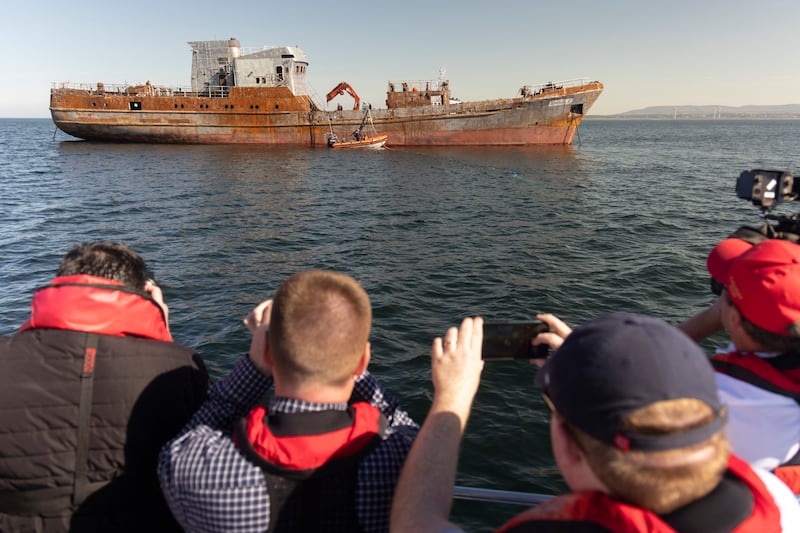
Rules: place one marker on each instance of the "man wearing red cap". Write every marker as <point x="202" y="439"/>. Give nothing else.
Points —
<point x="758" y="376"/>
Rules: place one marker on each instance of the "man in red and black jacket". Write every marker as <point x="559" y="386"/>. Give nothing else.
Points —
<point x="92" y="386"/>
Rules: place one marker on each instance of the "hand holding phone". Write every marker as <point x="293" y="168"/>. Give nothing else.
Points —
<point x="512" y="340"/>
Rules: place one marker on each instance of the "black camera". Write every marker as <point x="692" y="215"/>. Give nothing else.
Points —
<point x="512" y="340"/>
<point x="767" y="188"/>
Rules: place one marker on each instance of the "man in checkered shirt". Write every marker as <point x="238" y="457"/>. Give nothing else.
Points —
<point x="324" y="454"/>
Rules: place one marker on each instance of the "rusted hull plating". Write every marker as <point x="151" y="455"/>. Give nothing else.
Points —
<point x="276" y="117"/>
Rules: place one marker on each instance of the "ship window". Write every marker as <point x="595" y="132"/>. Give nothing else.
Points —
<point x="287" y="56"/>
<point x="135" y="106"/>
<point x="576" y="108"/>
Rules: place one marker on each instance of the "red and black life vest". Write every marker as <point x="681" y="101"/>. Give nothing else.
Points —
<point x="96" y="305"/>
<point x="310" y="463"/>
<point x="741" y="503"/>
<point x="91" y="389"/>
<point x="779" y="375"/>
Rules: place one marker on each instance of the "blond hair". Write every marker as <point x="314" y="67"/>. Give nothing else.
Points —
<point x="319" y="327"/>
<point x="660" y="481"/>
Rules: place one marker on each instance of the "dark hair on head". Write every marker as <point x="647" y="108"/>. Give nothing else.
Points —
<point x="106" y="259"/>
<point x="771" y="342"/>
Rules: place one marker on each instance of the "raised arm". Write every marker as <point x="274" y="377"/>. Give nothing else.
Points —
<point x="424" y="493"/>
<point x="233" y="396"/>
<point x="705" y="323"/>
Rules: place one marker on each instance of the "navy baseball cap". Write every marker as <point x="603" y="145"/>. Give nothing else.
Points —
<point x="619" y="363"/>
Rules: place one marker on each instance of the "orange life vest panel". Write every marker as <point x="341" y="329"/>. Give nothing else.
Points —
<point x="618" y="517"/>
<point x="96" y="305"/>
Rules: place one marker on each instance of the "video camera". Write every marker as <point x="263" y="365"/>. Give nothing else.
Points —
<point x="767" y="189"/>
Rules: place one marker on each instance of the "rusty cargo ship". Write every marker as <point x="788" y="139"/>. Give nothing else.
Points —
<point x="242" y="96"/>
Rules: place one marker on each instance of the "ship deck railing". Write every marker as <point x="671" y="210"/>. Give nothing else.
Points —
<point x="554" y="86"/>
<point x="124" y="89"/>
<point x="527" y="499"/>
<point x="417" y="85"/>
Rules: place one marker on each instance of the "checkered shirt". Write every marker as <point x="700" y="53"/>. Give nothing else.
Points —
<point x="210" y="486"/>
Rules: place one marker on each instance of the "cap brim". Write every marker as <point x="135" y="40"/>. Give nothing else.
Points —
<point x="722" y="257"/>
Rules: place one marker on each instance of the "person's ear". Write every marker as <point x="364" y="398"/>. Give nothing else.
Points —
<point x="363" y="362"/>
<point x="735" y="316"/>
<point x="564" y="439"/>
<point x="731" y="317"/>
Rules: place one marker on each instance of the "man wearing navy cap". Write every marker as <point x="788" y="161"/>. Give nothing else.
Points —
<point x="758" y="375"/>
<point x="636" y="430"/>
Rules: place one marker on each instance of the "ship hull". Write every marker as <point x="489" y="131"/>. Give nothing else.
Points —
<point x="274" y="116"/>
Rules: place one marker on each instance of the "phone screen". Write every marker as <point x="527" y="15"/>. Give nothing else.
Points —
<point x="512" y="340"/>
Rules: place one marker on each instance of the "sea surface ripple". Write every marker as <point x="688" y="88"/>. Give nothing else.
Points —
<point x="621" y="221"/>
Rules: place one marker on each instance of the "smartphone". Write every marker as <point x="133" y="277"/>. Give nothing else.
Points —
<point x="512" y="340"/>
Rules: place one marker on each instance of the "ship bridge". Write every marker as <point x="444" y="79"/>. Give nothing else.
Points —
<point x="226" y="64"/>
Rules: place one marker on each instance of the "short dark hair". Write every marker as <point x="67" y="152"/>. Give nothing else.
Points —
<point x="771" y="342"/>
<point x="105" y="259"/>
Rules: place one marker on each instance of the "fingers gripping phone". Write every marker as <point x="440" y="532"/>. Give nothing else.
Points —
<point x="512" y="340"/>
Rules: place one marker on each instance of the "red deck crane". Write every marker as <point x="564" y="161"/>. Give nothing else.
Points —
<point x="341" y="89"/>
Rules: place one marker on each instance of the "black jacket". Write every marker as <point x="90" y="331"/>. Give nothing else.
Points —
<point x="82" y="419"/>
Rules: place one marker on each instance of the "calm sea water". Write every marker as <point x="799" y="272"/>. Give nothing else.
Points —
<point x="621" y="221"/>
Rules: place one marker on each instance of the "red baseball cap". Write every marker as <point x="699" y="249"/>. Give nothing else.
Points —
<point x="763" y="281"/>
<point x="722" y="254"/>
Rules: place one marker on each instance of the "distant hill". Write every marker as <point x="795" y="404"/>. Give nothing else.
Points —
<point x="713" y="111"/>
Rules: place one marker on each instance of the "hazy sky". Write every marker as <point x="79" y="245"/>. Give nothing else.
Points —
<point x="675" y="52"/>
